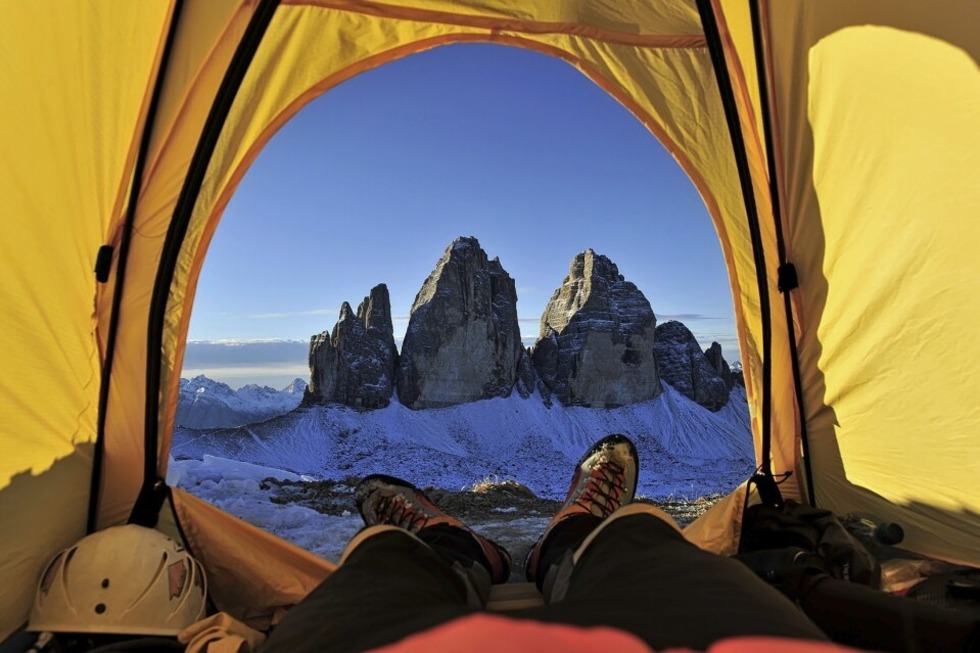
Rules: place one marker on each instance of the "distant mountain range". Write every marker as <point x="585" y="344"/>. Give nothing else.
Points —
<point x="205" y="403"/>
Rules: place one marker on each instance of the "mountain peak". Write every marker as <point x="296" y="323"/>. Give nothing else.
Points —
<point x="595" y="290"/>
<point x="595" y="344"/>
<point x="594" y="267"/>
<point x="687" y="368"/>
<point x="463" y="341"/>
<point x="355" y="364"/>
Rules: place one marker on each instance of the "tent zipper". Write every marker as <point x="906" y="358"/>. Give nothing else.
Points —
<point x="788" y="277"/>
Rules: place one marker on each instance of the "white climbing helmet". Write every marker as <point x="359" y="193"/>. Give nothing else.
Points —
<point x="125" y="579"/>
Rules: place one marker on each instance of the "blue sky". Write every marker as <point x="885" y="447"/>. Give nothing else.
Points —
<point x="370" y="182"/>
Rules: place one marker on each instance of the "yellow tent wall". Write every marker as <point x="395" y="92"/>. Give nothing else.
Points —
<point x="876" y="107"/>
<point x="869" y="106"/>
<point x="74" y="86"/>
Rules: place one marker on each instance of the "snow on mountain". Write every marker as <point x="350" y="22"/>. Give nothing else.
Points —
<point x="205" y="403"/>
<point x="685" y="450"/>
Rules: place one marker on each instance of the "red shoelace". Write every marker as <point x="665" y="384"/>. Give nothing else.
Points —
<point x="394" y="510"/>
<point x="605" y="488"/>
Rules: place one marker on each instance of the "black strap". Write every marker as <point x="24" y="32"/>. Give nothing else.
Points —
<point x="715" y="49"/>
<point x="768" y="490"/>
<point x="146" y="511"/>
<point x="103" y="263"/>
<point x="788" y="279"/>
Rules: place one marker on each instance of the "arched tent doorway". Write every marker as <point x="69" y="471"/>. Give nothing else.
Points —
<point x="292" y="63"/>
<point x="368" y="183"/>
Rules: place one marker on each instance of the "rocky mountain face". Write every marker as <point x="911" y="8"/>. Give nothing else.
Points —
<point x="355" y="364"/>
<point x="720" y="365"/>
<point x="683" y="365"/>
<point x="596" y="342"/>
<point x="463" y="342"/>
<point x="599" y="344"/>
<point x="205" y="403"/>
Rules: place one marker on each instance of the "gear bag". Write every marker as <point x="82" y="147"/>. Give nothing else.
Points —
<point x="770" y="533"/>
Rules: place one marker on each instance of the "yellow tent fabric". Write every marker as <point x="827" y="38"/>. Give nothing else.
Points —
<point x="838" y="136"/>
<point x="74" y="83"/>
<point x="880" y="188"/>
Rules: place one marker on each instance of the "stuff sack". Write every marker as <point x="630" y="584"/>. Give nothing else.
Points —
<point x="778" y="542"/>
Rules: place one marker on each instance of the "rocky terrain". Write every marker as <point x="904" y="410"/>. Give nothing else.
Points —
<point x="506" y="511"/>
<point x="463" y="342"/>
<point x="599" y="344"/>
<point x="485" y="501"/>
<point x="683" y="365"/>
<point x="355" y="364"/>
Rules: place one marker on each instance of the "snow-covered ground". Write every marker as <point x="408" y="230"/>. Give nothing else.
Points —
<point x="685" y="451"/>
<point x="237" y="488"/>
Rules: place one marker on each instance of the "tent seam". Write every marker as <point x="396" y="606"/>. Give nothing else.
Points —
<point x="767" y="127"/>
<point x="493" y="24"/>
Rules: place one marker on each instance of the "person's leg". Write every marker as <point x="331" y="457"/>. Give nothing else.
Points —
<point x="413" y="568"/>
<point x="636" y="572"/>
<point x="389" y="585"/>
<point x="604" y="479"/>
<point x="385" y="499"/>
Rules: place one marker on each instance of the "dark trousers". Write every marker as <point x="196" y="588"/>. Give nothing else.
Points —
<point x="638" y="575"/>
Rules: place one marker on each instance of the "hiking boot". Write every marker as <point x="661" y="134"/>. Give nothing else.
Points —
<point x="385" y="499"/>
<point x="604" y="480"/>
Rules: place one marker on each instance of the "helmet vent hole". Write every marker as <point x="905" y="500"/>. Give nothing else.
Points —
<point x="105" y="582"/>
<point x="49" y="574"/>
<point x="100" y="608"/>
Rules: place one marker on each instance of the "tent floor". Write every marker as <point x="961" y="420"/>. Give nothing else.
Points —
<point x="514" y="596"/>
